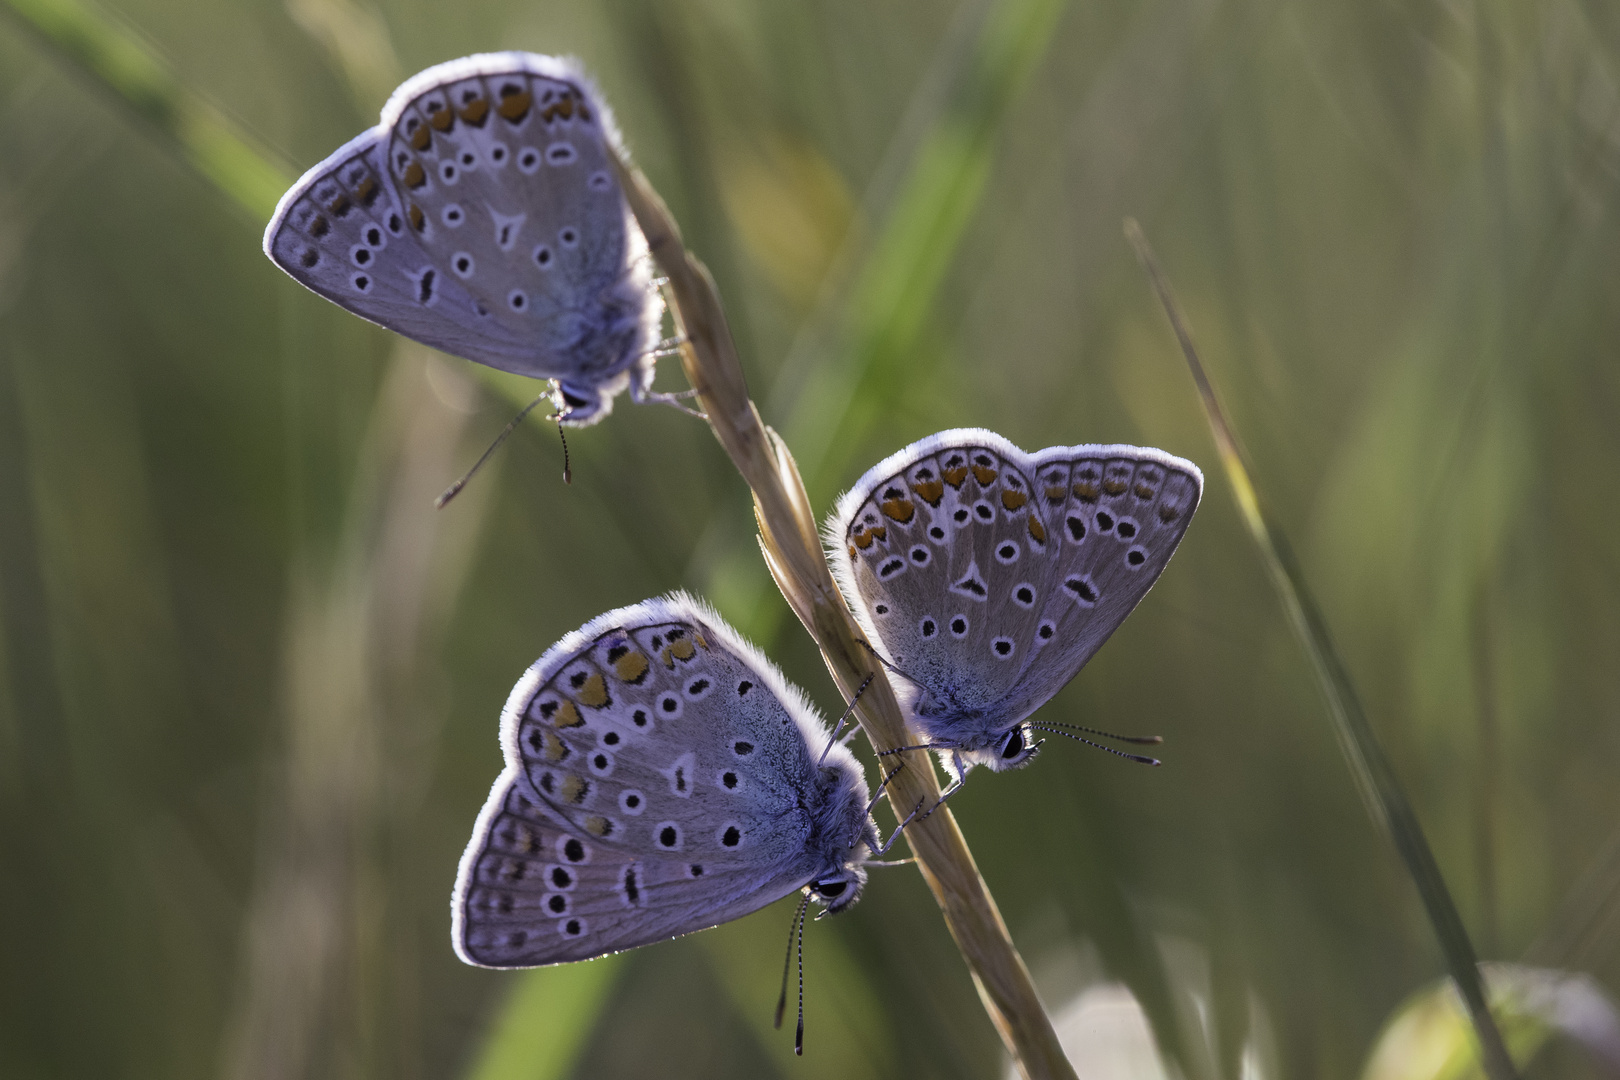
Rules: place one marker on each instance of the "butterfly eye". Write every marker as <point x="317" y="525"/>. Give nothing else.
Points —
<point x="1015" y="744"/>
<point x="832" y="888"/>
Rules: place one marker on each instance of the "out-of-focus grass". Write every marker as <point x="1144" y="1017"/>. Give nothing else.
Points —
<point x="1393" y="227"/>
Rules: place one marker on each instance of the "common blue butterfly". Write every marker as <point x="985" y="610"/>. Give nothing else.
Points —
<point x="482" y="216"/>
<point x="990" y="576"/>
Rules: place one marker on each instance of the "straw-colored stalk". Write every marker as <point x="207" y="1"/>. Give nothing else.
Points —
<point x="792" y="545"/>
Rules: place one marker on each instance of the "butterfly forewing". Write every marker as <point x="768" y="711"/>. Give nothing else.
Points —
<point x="483" y="217"/>
<point x="656" y="784"/>
<point x="991" y="576"/>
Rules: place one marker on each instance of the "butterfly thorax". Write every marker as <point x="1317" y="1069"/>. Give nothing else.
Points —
<point x="842" y="832"/>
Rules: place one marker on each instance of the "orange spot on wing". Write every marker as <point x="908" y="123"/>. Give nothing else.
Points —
<point x="573" y="789"/>
<point x="568" y="716"/>
<point x="863" y="540"/>
<point x="475" y="112"/>
<point x="632" y="667"/>
<point x="421" y="138"/>
<point x="1168" y="512"/>
<point x="1114" y="487"/>
<point x="901" y="510"/>
<point x="418" y="219"/>
<point x="1012" y="500"/>
<point x="594" y="692"/>
<point x="983" y="475"/>
<point x="442" y="119"/>
<point x="929" y="491"/>
<point x="415" y="175"/>
<point x="367" y="191"/>
<point x="954" y="477"/>
<point x="682" y="649"/>
<point x="514" y="107"/>
<point x="1086" y="490"/>
<point x="1144" y="491"/>
<point x="1037" y="531"/>
<point x="553" y="749"/>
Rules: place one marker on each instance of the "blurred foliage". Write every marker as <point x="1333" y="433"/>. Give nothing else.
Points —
<point x="249" y="679"/>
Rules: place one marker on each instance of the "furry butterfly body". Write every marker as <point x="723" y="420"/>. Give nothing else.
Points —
<point x="990" y="576"/>
<point x="661" y="777"/>
<point x="482" y="216"/>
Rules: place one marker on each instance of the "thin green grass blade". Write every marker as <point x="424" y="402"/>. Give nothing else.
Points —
<point x="120" y="62"/>
<point x="541" y="1032"/>
<point x="893" y="288"/>
<point x="1375" y="777"/>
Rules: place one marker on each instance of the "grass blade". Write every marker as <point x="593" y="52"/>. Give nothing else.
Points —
<point x="1375" y="776"/>
<point x="541" y="1031"/>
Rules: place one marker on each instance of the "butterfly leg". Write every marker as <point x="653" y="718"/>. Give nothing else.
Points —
<point x="960" y="770"/>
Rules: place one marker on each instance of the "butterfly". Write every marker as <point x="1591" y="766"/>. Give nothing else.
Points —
<point x="661" y="777"/>
<point x="482" y="216"/>
<point x="991" y="576"/>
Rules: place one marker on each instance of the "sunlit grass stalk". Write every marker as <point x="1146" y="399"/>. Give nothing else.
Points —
<point x="792" y="545"/>
<point x="1375" y="777"/>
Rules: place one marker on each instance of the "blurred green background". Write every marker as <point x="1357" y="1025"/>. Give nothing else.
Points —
<point x="249" y="678"/>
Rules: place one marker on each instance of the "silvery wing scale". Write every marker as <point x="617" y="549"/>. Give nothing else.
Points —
<point x="482" y="216"/>
<point x="989" y="576"/>
<point x="661" y="777"/>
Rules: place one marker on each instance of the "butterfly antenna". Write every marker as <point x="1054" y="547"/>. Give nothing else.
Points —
<point x="885" y="662"/>
<point x="1140" y="740"/>
<point x="842" y="720"/>
<point x="795" y="935"/>
<point x="1138" y="758"/>
<point x="568" y="473"/>
<point x="455" y="489"/>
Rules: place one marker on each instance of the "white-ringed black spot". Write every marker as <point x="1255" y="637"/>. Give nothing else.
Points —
<point x="698" y="689"/>
<point x="573" y="849"/>
<point x="516" y="300"/>
<point x="573" y="928"/>
<point x="1105" y="521"/>
<point x="602" y="763"/>
<point x="928" y="627"/>
<point x="983" y="511"/>
<point x="462" y="264"/>
<point x="425" y="294"/>
<point x="611" y="738"/>
<point x="920" y="555"/>
<point x="1085" y="593"/>
<point x="1023" y="594"/>
<point x="936" y="533"/>
<point x="640" y="718"/>
<point x="667" y="835"/>
<point x="971" y="585"/>
<point x="469" y="160"/>
<point x="556" y="904"/>
<point x="961" y="516"/>
<point x="729" y="835"/>
<point x="669" y="707"/>
<point x="891" y="568"/>
<point x="448" y="172"/>
<point x="599" y="181"/>
<point x="881" y="609"/>
<point x="1077" y="527"/>
<point x="632" y="802"/>
<point x="1007" y="552"/>
<point x="542" y="257"/>
<point x="742" y="748"/>
<point x="497" y="154"/>
<point x="528" y="160"/>
<point x="959" y="626"/>
<point x="374" y="237"/>
<point x="568" y="236"/>
<point x="452" y="216"/>
<point x="1126" y="529"/>
<point x="695" y="870"/>
<point x="361" y="283"/>
<point x="1002" y="647"/>
<point x="1135" y="557"/>
<point x="561" y="153"/>
<point x="729" y="780"/>
<point x="560" y="878"/>
<point x="629" y="881"/>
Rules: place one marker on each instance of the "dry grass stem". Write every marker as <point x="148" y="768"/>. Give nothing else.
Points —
<point x="792" y="546"/>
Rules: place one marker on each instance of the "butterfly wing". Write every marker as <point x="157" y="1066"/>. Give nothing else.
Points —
<point x="482" y="216"/>
<point x="1056" y="547"/>
<point x="659" y="781"/>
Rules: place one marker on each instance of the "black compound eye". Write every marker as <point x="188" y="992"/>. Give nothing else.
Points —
<point x="1015" y="744"/>
<point x="831" y="888"/>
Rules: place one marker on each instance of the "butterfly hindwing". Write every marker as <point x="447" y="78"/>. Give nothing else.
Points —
<point x="660" y="780"/>
<point x="483" y="217"/>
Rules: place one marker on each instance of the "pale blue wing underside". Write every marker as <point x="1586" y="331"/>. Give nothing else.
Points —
<point x="990" y="576"/>
<point x="660" y="779"/>
<point x="482" y="216"/>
